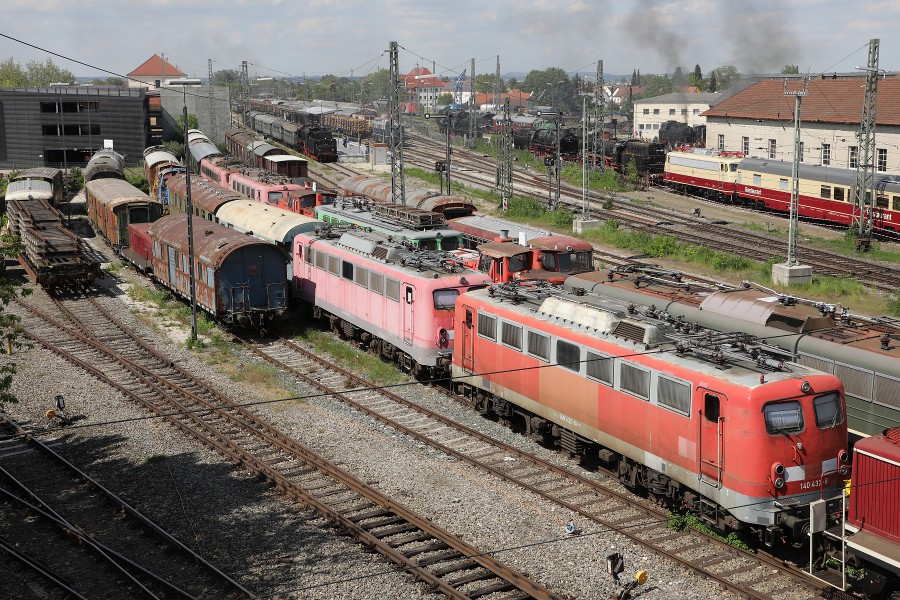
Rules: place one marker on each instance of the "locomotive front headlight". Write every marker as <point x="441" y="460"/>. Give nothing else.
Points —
<point x="844" y="470"/>
<point x="805" y="387"/>
<point x="779" y="483"/>
<point x="843" y="457"/>
<point x="778" y="469"/>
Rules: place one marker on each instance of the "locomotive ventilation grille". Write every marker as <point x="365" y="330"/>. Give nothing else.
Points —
<point x="630" y="331"/>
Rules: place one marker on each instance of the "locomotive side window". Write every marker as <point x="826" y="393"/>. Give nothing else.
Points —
<point x="839" y="194"/>
<point x="445" y="299"/>
<point x="711" y="408"/>
<point x="674" y="395"/>
<point x="635" y="381"/>
<point x="362" y="277"/>
<point x="539" y="345"/>
<point x="347" y="270"/>
<point x="511" y="335"/>
<point x="828" y="410"/>
<point x="321" y="260"/>
<point x="783" y="417"/>
<point x="599" y="367"/>
<point x="376" y="283"/>
<point x="568" y="356"/>
<point x="487" y="326"/>
<point x="334" y="265"/>
<point x="392" y="289"/>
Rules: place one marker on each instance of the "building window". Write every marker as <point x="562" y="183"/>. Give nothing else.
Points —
<point x="696" y="112"/>
<point x="881" y="160"/>
<point x="671" y="111"/>
<point x="772" y="148"/>
<point x="655" y="111"/>
<point x="800" y="158"/>
<point x="684" y="112"/>
<point x="826" y="154"/>
<point x="853" y="161"/>
<point x="745" y="145"/>
<point x="721" y="141"/>
<point x="646" y="111"/>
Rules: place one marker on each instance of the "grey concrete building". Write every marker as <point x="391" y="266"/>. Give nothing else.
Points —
<point x="198" y="104"/>
<point x="62" y="126"/>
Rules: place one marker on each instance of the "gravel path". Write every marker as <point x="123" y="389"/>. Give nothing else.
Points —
<point x="278" y="548"/>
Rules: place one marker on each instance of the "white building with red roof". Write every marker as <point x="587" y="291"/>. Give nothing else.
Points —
<point x="153" y="73"/>
<point x="423" y="86"/>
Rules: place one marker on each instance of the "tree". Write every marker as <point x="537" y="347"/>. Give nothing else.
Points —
<point x="725" y="76"/>
<point x="790" y="70"/>
<point x="698" y="73"/>
<point x="634" y="77"/>
<point x="110" y="81"/>
<point x="10" y="289"/>
<point x="192" y="122"/>
<point x="484" y="83"/>
<point x="696" y="78"/>
<point x="656" y="85"/>
<point x="445" y="98"/>
<point x="711" y="84"/>
<point x="42" y="74"/>
<point x="226" y="77"/>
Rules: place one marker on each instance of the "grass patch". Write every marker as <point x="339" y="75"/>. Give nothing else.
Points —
<point x="160" y="298"/>
<point x="680" y="522"/>
<point x="370" y="366"/>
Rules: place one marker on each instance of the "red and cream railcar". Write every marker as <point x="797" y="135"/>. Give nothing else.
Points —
<point x="700" y="427"/>
<point x="397" y="302"/>
<point x="710" y="173"/>
<point x="825" y="193"/>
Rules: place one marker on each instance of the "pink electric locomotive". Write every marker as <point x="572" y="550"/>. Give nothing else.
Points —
<point x="698" y="419"/>
<point x="396" y="301"/>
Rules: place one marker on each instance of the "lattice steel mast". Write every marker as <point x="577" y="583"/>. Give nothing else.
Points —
<point x="245" y="96"/>
<point x="793" y="254"/>
<point x="213" y="130"/>
<point x="472" y="129"/>
<point x="398" y="186"/>
<point x="505" y="158"/>
<point x="497" y="85"/>
<point x="863" y="206"/>
<point x="599" y="101"/>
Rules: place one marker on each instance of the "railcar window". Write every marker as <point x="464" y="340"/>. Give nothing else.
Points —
<point x="210" y="277"/>
<point x="839" y="194"/>
<point x="757" y="179"/>
<point x="321" y="260"/>
<point x="599" y="367"/>
<point x="450" y="243"/>
<point x="334" y="265"/>
<point x="517" y="263"/>
<point x="487" y="327"/>
<point x="392" y="289"/>
<point x="362" y="277"/>
<point x="635" y="381"/>
<point x="828" y="410"/>
<point x="445" y="299"/>
<point x="783" y="417"/>
<point x="783" y="184"/>
<point x="484" y="263"/>
<point x="347" y="270"/>
<point x="309" y="255"/>
<point x="568" y="356"/>
<point x="881" y="201"/>
<point x="376" y="283"/>
<point x="895" y="203"/>
<point x="539" y="345"/>
<point x="511" y="335"/>
<point x="674" y="395"/>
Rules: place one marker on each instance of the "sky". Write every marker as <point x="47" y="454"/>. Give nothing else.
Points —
<point x="317" y="37"/>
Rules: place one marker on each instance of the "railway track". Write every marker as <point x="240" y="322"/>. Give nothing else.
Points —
<point x="80" y="538"/>
<point x="749" y="575"/>
<point x="479" y="171"/>
<point x="88" y="335"/>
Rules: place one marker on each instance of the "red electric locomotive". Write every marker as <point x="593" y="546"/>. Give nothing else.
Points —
<point x="396" y="301"/>
<point x="699" y="419"/>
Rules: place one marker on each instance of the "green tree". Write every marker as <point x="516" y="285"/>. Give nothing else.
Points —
<point x="711" y="83"/>
<point x="12" y="74"/>
<point x="226" y="77"/>
<point x="174" y="146"/>
<point x="790" y="70"/>
<point x="445" y="98"/>
<point x="41" y="74"/>
<point x="192" y="123"/>
<point x="656" y="85"/>
<point x="10" y="289"/>
<point x="725" y="76"/>
<point x="696" y="78"/>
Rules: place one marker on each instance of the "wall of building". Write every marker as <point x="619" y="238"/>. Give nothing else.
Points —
<point x="758" y="138"/>
<point x="34" y="133"/>
<point x="198" y="102"/>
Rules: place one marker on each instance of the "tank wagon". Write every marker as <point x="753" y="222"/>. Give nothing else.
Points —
<point x="674" y="413"/>
<point x="863" y="352"/>
<point x="394" y="301"/>
<point x="380" y="190"/>
<point x="239" y="280"/>
<point x="104" y="164"/>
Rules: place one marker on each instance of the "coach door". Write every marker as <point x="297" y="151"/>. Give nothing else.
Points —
<point x="467" y="348"/>
<point x="711" y="448"/>
<point x="408" y="294"/>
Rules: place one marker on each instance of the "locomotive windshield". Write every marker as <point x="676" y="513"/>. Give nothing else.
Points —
<point x="575" y="262"/>
<point x="445" y="299"/>
<point x="783" y="417"/>
<point x="828" y="410"/>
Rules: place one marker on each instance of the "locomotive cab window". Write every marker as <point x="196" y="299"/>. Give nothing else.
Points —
<point x="828" y="410"/>
<point x="445" y="299"/>
<point x="783" y="417"/>
<point x="347" y="270"/>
